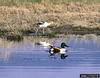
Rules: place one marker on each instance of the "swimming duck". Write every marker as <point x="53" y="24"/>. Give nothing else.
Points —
<point x="61" y="51"/>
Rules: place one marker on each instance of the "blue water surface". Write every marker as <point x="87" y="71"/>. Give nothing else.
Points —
<point x="26" y="60"/>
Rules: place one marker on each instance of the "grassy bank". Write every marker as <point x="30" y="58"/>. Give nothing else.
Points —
<point x="18" y="2"/>
<point x="72" y="18"/>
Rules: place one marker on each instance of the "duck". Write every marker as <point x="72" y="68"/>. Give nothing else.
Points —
<point x="62" y="51"/>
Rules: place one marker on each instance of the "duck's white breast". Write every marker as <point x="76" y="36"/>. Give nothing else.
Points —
<point x="62" y="51"/>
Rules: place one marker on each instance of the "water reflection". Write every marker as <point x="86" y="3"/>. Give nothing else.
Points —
<point x="84" y="50"/>
<point x="5" y="48"/>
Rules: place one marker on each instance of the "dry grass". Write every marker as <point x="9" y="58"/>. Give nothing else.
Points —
<point x="19" y="18"/>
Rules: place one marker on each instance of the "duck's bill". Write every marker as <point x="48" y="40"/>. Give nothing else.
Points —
<point x="67" y="46"/>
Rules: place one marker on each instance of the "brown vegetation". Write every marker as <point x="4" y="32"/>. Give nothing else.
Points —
<point x="15" y="19"/>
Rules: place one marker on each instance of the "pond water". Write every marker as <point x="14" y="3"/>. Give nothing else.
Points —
<point x="18" y="58"/>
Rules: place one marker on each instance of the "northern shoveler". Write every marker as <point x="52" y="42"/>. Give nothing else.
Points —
<point x="61" y="51"/>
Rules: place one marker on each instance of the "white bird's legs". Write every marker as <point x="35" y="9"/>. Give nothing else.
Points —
<point x="43" y="31"/>
<point x="37" y="31"/>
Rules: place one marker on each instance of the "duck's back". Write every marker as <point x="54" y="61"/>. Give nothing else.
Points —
<point x="56" y="50"/>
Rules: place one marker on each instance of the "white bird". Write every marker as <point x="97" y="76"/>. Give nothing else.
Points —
<point x="43" y="25"/>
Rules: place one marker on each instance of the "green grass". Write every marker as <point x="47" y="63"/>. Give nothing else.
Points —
<point x="68" y="1"/>
<point x="17" y="2"/>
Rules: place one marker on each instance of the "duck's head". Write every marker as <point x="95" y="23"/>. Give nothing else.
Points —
<point x="63" y="45"/>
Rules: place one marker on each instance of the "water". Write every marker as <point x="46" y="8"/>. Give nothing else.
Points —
<point x="26" y="60"/>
